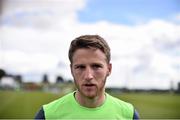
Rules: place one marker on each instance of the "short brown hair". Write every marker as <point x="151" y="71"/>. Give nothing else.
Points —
<point x="90" y="41"/>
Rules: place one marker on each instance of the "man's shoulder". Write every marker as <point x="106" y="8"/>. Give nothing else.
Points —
<point x="121" y="106"/>
<point x="118" y="102"/>
<point x="60" y="101"/>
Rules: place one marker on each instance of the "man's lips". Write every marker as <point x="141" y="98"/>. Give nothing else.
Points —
<point x="89" y="85"/>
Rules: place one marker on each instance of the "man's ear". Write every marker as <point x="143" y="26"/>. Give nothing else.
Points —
<point x="109" y="69"/>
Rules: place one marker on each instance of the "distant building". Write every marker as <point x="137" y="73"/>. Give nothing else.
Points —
<point x="8" y="83"/>
<point x="31" y="86"/>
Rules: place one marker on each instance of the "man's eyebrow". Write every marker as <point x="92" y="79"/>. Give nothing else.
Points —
<point x="97" y="63"/>
<point x="78" y="65"/>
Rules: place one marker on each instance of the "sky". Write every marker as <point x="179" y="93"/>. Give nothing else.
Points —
<point x="144" y="37"/>
<point x="129" y="12"/>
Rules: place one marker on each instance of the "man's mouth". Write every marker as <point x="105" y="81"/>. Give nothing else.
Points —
<point x="89" y="85"/>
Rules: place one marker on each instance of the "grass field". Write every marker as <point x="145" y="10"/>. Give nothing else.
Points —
<point x="25" y="104"/>
<point x="157" y="106"/>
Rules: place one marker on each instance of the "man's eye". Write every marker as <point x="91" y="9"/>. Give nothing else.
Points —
<point x="97" y="66"/>
<point x="80" y="67"/>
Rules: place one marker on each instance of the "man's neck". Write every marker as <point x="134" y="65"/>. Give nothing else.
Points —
<point x="90" y="102"/>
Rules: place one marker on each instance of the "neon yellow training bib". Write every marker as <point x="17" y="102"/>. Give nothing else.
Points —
<point x="68" y="108"/>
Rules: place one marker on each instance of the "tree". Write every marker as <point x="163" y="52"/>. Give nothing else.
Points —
<point x="45" y="79"/>
<point x="59" y="79"/>
<point x="18" y="78"/>
<point x="2" y="73"/>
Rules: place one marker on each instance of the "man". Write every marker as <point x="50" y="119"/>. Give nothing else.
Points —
<point x="89" y="56"/>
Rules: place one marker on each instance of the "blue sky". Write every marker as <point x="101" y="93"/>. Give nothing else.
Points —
<point x="129" y="12"/>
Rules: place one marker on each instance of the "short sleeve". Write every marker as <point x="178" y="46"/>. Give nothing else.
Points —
<point x="40" y="114"/>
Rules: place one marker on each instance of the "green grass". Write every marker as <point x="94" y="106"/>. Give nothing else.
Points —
<point x="149" y="106"/>
<point x="22" y="104"/>
<point x="26" y="104"/>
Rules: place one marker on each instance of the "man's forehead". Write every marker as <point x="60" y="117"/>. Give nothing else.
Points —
<point x="84" y="55"/>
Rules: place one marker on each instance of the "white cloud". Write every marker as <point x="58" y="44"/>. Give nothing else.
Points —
<point x="21" y="62"/>
<point x="41" y="14"/>
<point x="38" y="39"/>
<point x="176" y="18"/>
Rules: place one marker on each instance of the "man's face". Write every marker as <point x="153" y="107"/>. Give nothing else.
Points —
<point x="90" y="70"/>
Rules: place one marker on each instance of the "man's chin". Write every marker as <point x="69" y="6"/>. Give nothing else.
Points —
<point x="90" y="95"/>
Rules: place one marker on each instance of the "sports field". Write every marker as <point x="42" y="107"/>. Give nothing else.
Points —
<point x="25" y="104"/>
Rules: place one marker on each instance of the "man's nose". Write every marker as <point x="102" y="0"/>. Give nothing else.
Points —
<point x="88" y="74"/>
